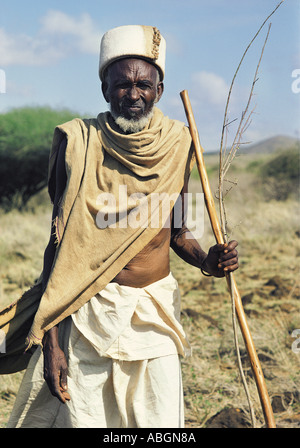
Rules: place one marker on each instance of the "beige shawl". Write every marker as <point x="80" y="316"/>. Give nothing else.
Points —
<point x="99" y="160"/>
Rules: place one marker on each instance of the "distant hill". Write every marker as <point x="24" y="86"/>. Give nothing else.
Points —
<point x="267" y="146"/>
<point x="270" y="145"/>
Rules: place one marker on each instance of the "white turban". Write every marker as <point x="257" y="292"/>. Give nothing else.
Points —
<point x="139" y="41"/>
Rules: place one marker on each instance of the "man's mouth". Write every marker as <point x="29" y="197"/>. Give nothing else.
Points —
<point x="131" y="106"/>
<point x="132" y="110"/>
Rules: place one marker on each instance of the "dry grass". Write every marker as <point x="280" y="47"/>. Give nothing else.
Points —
<point x="268" y="280"/>
<point x="23" y="238"/>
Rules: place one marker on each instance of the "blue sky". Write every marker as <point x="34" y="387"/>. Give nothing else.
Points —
<point x="49" y="52"/>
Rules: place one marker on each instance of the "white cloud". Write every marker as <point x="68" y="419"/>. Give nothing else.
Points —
<point x="20" y="90"/>
<point x="210" y="89"/>
<point x="60" y="35"/>
<point x="174" y="44"/>
<point x="208" y="94"/>
<point x="86" y="36"/>
<point x="24" y="50"/>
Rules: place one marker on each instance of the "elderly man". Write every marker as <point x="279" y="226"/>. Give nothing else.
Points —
<point x="107" y="324"/>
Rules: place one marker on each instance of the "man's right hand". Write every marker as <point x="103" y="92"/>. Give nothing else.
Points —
<point x="55" y="366"/>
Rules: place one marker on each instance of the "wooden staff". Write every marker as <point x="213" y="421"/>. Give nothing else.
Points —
<point x="210" y="205"/>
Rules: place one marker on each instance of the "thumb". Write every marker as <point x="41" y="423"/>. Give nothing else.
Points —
<point x="64" y="385"/>
<point x="63" y="379"/>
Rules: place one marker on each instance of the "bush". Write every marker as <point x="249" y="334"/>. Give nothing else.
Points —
<point x="25" y="141"/>
<point x="280" y="176"/>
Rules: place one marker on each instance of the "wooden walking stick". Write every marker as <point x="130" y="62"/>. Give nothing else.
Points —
<point x="210" y="205"/>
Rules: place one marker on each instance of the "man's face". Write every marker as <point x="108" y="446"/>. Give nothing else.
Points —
<point x="132" y="87"/>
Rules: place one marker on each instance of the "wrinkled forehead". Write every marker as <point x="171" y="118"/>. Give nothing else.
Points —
<point x="131" y="67"/>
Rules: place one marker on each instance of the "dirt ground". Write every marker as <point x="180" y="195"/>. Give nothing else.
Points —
<point x="268" y="281"/>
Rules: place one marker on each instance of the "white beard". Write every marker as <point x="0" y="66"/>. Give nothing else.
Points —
<point x="132" y="126"/>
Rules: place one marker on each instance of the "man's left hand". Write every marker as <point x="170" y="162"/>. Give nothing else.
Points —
<point x="221" y="258"/>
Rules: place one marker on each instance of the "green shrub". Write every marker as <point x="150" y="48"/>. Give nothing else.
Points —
<point x="25" y="141"/>
<point x="280" y="175"/>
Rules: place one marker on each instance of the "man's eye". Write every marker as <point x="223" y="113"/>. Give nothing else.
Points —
<point x="143" y="86"/>
<point x="139" y="85"/>
<point x="123" y="86"/>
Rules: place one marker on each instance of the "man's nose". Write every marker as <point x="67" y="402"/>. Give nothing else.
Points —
<point x="133" y="93"/>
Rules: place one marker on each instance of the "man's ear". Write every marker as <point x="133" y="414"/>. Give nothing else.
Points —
<point x="104" y="87"/>
<point x="159" y="91"/>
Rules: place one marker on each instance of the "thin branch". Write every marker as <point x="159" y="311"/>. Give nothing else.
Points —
<point x="230" y="122"/>
<point x="245" y="122"/>
<point x="238" y="353"/>
<point x="242" y="127"/>
<point x="238" y="68"/>
<point x="225" y="122"/>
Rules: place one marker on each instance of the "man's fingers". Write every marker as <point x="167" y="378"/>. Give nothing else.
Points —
<point x="65" y="395"/>
<point x="229" y="260"/>
<point x="61" y="394"/>
<point x="229" y="250"/>
<point x="63" y="386"/>
<point x="226" y="247"/>
<point x="218" y="247"/>
<point x="231" y="268"/>
<point x="57" y="388"/>
<point x="63" y="378"/>
<point x="55" y="372"/>
<point x="232" y="245"/>
<point x="54" y="387"/>
<point x="229" y="256"/>
<point x="222" y="258"/>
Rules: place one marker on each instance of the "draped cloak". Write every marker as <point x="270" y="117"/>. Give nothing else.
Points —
<point x="100" y="163"/>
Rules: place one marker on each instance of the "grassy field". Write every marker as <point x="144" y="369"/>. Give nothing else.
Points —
<point x="268" y="280"/>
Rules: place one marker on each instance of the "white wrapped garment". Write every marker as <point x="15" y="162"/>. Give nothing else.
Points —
<point x="124" y="367"/>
